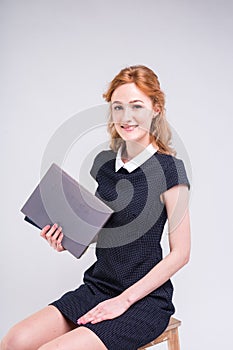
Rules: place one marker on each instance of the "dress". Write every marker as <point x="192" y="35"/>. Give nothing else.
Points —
<point x="128" y="247"/>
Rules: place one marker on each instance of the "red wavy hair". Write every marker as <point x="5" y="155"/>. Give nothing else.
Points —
<point x="147" y="81"/>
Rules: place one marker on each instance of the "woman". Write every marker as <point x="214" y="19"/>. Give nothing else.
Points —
<point x="126" y="298"/>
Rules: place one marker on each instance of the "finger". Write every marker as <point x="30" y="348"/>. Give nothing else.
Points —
<point x="44" y="231"/>
<point x="94" y="316"/>
<point x="88" y="317"/>
<point x="60" y="238"/>
<point x="52" y="235"/>
<point x="98" y="319"/>
<point x="54" y="238"/>
<point x="60" y="247"/>
<point x="51" y="231"/>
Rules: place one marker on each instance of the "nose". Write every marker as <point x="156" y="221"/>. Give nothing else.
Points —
<point x="127" y="115"/>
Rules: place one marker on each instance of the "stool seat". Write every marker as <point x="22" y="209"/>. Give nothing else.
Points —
<point x="170" y="335"/>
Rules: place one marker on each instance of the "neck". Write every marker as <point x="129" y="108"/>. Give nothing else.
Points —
<point x="132" y="149"/>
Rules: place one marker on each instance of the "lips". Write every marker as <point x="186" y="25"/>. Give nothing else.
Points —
<point x="128" y="127"/>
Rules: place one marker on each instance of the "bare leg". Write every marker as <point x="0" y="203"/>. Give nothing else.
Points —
<point x="36" y="330"/>
<point x="80" y="338"/>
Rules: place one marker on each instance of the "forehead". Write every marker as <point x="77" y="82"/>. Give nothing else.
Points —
<point x="128" y="92"/>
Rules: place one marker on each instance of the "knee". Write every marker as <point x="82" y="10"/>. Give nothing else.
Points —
<point x="15" y="339"/>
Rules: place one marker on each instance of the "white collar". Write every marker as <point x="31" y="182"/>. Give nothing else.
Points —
<point x="135" y="162"/>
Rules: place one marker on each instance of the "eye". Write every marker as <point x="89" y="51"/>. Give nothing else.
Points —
<point x="118" y="108"/>
<point x="137" y="106"/>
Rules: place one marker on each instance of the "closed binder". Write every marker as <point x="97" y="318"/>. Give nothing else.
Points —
<point x="59" y="198"/>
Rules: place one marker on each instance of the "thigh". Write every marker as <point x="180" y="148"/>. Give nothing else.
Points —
<point x="80" y="338"/>
<point x="37" y="329"/>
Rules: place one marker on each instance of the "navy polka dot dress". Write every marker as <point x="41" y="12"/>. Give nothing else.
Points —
<point x="128" y="247"/>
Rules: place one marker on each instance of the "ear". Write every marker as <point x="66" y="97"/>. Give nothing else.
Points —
<point x="155" y="114"/>
<point x="156" y="110"/>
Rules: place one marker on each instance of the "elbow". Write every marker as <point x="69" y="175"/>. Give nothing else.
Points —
<point x="185" y="258"/>
<point x="182" y="258"/>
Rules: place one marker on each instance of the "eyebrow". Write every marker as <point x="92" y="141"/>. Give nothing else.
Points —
<point x="133" y="101"/>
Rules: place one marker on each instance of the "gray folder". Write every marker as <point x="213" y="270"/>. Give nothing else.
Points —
<point x="60" y="199"/>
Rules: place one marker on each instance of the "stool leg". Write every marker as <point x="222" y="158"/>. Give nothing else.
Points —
<point x="173" y="340"/>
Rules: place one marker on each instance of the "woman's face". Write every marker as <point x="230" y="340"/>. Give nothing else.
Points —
<point x="132" y="113"/>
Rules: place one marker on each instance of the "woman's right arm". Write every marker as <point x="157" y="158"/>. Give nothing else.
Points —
<point x="53" y="235"/>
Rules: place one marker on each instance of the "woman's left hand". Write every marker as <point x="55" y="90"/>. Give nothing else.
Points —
<point x="105" y="310"/>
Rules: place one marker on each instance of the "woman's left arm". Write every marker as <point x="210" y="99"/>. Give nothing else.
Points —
<point x="176" y="200"/>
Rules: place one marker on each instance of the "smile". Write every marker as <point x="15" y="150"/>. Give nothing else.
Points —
<point x="129" y="127"/>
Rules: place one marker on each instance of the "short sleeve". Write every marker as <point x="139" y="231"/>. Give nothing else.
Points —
<point x="99" y="160"/>
<point x="95" y="167"/>
<point x="175" y="174"/>
<point x="93" y="171"/>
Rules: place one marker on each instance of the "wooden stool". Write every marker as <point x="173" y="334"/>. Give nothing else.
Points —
<point x="170" y="335"/>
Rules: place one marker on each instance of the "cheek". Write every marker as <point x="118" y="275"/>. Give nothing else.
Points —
<point x="118" y="128"/>
<point x="117" y="125"/>
<point x="145" y="123"/>
<point x="116" y="120"/>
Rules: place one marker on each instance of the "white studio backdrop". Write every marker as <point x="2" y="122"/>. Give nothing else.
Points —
<point x="57" y="58"/>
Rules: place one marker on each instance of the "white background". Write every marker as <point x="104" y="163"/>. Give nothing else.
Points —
<point x="56" y="60"/>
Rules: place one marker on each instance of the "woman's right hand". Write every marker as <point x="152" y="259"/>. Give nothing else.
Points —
<point x="53" y="235"/>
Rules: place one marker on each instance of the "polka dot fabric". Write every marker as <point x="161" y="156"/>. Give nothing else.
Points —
<point x="128" y="247"/>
